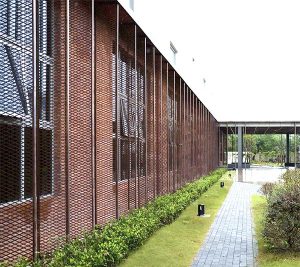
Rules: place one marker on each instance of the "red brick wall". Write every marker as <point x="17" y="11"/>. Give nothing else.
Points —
<point x="16" y="219"/>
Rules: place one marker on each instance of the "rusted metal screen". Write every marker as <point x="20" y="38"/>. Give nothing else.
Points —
<point x="94" y="122"/>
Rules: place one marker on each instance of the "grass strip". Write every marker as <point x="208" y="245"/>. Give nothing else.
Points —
<point x="177" y="244"/>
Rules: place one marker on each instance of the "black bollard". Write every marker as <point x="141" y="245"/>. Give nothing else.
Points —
<point x="201" y="209"/>
<point x="221" y="184"/>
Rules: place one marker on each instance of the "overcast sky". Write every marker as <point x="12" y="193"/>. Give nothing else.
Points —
<point x="247" y="51"/>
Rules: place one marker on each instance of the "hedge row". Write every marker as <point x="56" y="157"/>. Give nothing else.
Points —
<point x="282" y="218"/>
<point x="108" y="245"/>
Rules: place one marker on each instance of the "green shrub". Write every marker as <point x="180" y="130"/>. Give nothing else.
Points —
<point x="267" y="189"/>
<point x="108" y="245"/>
<point x="282" y="222"/>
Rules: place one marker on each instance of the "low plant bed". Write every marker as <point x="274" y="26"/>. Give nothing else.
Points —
<point x="177" y="244"/>
<point x="108" y="245"/>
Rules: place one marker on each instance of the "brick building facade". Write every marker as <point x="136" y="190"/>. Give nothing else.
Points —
<point x="117" y="125"/>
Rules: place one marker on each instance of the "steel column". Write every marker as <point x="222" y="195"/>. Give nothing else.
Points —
<point x="227" y="144"/>
<point x="174" y="141"/>
<point x="168" y="137"/>
<point x="117" y="110"/>
<point x="136" y="139"/>
<point x="35" y="130"/>
<point x="295" y="145"/>
<point x="153" y="126"/>
<point x="161" y="120"/>
<point x="240" y="153"/>
<point x="180" y="136"/>
<point x="93" y="118"/>
<point x="184" y="133"/>
<point x="146" y="119"/>
<point x="287" y="148"/>
<point x="67" y="120"/>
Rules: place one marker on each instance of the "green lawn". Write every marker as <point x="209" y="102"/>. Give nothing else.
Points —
<point x="177" y="244"/>
<point x="265" y="257"/>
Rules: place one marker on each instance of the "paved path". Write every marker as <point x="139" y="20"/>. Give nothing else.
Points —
<point x="231" y="241"/>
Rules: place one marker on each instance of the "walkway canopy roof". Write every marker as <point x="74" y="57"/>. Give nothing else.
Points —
<point x="267" y="127"/>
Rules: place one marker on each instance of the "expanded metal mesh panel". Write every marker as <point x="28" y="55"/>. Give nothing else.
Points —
<point x="115" y="128"/>
<point x="52" y="147"/>
<point x="142" y="118"/>
<point x="128" y="101"/>
<point x="177" y="131"/>
<point x="170" y="129"/>
<point x="17" y="111"/>
<point x="80" y="166"/>
<point x="158" y="92"/>
<point x="105" y="112"/>
<point x="151" y="123"/>
<point x="164" y="175"/>
<point x="180" y="132"/>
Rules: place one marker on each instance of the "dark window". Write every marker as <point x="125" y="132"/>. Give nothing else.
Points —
<point x="10" y="162"/>
<point x="16" y="83"/>
<point x="132" y="118"/>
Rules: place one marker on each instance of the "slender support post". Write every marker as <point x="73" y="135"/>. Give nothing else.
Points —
<point x="155" y="123"/>
<point x="67" y="120"/>
<point x="35" y="130"/>
<point x="168" y="132"/>
<point x="295" y="145"/>
<point x="161" y="121"/>
<point x="240" y="153"/>
<point x="93" y="118"/>
<point x="180" y="136"/>
<point x="117" y="111"/>
<point x="287" y="149"/>
<point x="184" y="133"/>
<point x="146" y="119"/>
<point x="227" y="144"/>
<point x="174" y="99"/>
<point x="137" y="122"/>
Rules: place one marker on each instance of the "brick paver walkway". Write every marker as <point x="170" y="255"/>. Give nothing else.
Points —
<point x="231" y="240"/>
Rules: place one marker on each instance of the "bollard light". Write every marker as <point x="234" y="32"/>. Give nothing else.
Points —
<point x="201" y="209"/>
<point x="221" y="184"/>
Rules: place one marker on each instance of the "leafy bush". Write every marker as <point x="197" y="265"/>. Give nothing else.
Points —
<point x="108" y="245"/>
<point x="282" y="222"/>
<point x="267" y="189"/>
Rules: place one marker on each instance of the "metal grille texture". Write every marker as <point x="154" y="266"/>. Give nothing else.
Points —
<point x="94" y="122"/>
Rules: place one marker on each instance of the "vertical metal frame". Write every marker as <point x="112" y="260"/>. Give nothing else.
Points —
<point x="197" y="132"/>
<point x="161" y="118"/>
<point x="146" y="119"/>
<point x="295" y="145"/>
<point x="190" y="128"/>
<point x="137" y="133"/>
<point x="93" y="116"/>
<point x="67" y="120"/>
<point x="117" y="109"/>
<point x="206" y="139"/>
<point x="183" y="133"/>
<point x="154" y="177"/>
<point x="180" y="137"/>
<point x="174" y="140"/>
<point x="227" y="144"/>
<point x="219" y="146"/>
<point x="168" y="141"/>
<point x="35" y="130"/>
